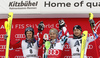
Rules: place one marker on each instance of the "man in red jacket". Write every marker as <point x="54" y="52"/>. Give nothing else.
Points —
<point x="30" y="44"/>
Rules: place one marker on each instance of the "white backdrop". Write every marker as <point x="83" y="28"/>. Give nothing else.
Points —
<point x="49" y="6"/>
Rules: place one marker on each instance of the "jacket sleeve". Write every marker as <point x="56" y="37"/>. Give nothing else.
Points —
<point x="16" y="45"/>
<point x="64" y="35"/>
<point x="40" y="38"/>
<point x="92" y="37"/>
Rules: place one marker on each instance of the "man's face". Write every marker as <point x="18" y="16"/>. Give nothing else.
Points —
<point x="77" y="32"/>
<point x="53" y="35"/>
<point x="29" y="34"/>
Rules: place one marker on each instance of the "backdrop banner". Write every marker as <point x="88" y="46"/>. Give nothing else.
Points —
<point x="19" y="25"/>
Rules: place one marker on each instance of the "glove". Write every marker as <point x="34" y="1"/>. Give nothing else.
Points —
<point x="61" y="23"/>
<point x="92" y="22"/>
<point x="5" y="36"/>
<point x="41" y="26"/>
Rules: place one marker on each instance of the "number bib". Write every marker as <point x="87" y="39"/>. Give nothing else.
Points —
<point x="76" y="50"/>
<point x="30" y="53"/>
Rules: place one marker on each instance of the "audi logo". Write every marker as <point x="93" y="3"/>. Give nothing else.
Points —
<point x="67" y="56"/>
<point x="20" y="36"/>
<point x="90" y="46"/>
<point x="66" y="46"/>
<point x="23" y="57"/>
<point x="71" y="57"/>
<point x="53" y="52"/>
<point x="18" y="57"/>
<point x="2" y="46"/>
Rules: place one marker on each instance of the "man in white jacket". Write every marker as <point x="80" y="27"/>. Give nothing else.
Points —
<point x="76" y="41"/>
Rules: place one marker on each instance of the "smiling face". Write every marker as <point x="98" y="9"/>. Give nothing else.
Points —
<point x="77" y="32"/>
<point x="29" y="34"/>
<point x="53" y="35"/>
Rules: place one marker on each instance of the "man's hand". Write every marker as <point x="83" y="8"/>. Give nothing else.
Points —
<point x="5" y="36"/>
<point x="61" y="23"/>
<point x="41" y="26"/>
<point x="92" y="22"/>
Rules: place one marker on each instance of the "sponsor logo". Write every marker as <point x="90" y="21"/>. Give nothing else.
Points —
<point x="66" y="46"/>
<point x="18" y="57"/>
<point x="45" y="36"/>
<point x="90" y="46"/>
<point x="2" y="46"/>
<point x="23" y="57"/>
<point x="53" y="52"/>
<point x="1" y="37"/>
<point x="76" y="56"/>
<point x="67" y="56"/>
<point x="20" y="36"/>
<point x="23" y="4"/>
<point x="56" y="4"/>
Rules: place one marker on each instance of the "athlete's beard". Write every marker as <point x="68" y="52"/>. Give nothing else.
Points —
<point x="77" y="37"/>
<point x="30" y="40"/>
<point x="53" y="40"/>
